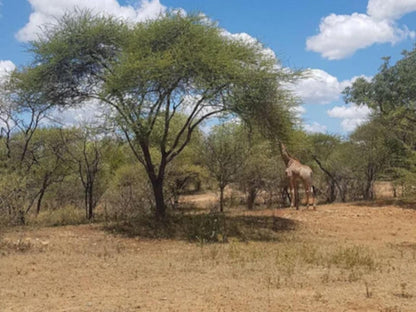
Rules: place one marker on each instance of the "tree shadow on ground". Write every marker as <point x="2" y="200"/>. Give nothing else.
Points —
<point x="205" y="227"/>
<point x="378" y="203"/>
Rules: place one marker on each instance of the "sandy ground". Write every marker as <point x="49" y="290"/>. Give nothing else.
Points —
<point x="83" y="268"/>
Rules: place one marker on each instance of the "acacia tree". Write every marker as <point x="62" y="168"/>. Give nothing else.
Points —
<point x="392" y="95"/>
<point x="153" y="70"/>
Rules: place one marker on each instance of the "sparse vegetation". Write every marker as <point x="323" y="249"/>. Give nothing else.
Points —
<point x="330" y="264"/>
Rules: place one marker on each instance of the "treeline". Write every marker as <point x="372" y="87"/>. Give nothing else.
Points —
<point x="82" y="168"/>
<point x="159" y="82"/>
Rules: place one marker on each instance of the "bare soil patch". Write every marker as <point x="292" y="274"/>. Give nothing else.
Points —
<point x="341" y="257"/>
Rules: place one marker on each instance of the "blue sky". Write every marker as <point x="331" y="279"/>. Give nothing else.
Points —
<point x="336" y="40"/>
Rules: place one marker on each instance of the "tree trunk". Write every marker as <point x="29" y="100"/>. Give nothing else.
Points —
<point x="369" y="194"/>
<point x="86" y="202"/>
<point x="155" y="179"/>
<point x="91" y="203"/>
<point x="331" y="196"/>
<point x="251" y="198"/>
<point x="22" y="218"/>
<point x="39" y="203"/>
<point x="343" y="193"/>
<point x="222" y="198"/>
<point x="331" y="177"/>
<point x="160" y="209"/>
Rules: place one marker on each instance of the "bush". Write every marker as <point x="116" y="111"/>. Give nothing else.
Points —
<point x="204" y="227"/>
<point x="129" y="196"/>
<point x="409" y="185"/>
<point x="68" y="215"/>
<point x="14" y="194"/>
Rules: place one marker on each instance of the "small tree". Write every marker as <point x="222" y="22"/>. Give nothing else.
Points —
<point x="373" y="153"/>
<point x="224" y="155"/>
<point x="84" y="150"/>
<point x="47" y="152"/>
<point x="260" y="166"/>
<point x="324" y="146"/>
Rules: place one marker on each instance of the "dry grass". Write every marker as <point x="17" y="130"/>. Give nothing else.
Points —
<point x="338" y="258"/>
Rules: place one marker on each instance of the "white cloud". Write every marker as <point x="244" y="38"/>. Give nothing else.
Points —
<point x="250" y="41"/>
<point x="351" y="115"/>
<point x="315" y="127"/>
<point x="46" y="12"/>
<point x="298" y="111"/>
<point x="91" y="113"/>
<point x="320" y="87"/>
<point x="6" y="67"/>
<point x="390" y="9"/>
<point x="341" y="36"/>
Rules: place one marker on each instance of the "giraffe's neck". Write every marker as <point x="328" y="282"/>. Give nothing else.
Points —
<point x="287" y="159"/>
<point x="285" y="155"/>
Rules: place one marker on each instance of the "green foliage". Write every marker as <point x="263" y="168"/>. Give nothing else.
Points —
<point x="391" y="94"/>
<point x="225" y="152"/>
<point x="71" y="56"/>
<point x="391" y="91"/>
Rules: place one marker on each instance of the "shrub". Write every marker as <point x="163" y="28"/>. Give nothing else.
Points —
<point x="351" y="257"/>
<point x="69" y="215"/>
<point x="129" y="195"/>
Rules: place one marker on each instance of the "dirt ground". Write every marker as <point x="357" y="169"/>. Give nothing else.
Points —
<point x="341" y="257"/>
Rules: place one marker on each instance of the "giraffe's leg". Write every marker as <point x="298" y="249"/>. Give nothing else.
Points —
<point x="292" y="194"/>
<point x="307" y="192"/>
<point x="313" y="198"/>
<point x="297" y="196"/>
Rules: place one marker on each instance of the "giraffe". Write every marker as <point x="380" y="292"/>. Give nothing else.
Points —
<point x="296" y="171"/>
